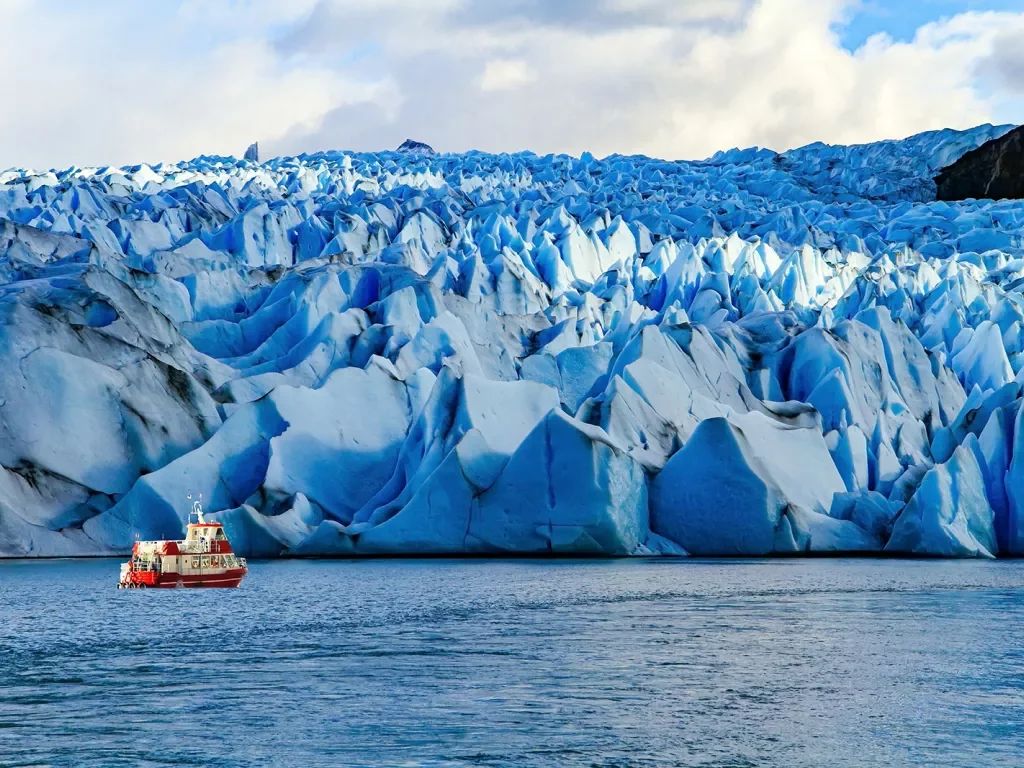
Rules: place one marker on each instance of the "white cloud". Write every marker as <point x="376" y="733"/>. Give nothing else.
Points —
<point x="642" y="76"/>
<point x="122" y="81"/>
<point x="125" y="82"/>
<point x="781" y="84"/>
<point x="506" y="75"/>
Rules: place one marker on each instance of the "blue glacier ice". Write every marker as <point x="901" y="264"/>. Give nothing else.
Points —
<point x="420" y="353"/>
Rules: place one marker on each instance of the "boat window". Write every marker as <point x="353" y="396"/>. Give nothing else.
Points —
<point x="220" y="534"/>
<point x="195" y="562"/>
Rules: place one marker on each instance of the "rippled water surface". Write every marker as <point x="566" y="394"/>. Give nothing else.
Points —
<point x="523" y="663"/>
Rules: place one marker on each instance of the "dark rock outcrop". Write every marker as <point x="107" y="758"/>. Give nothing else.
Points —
<point x="993" y="171"/>
<point x="416" y="146"/>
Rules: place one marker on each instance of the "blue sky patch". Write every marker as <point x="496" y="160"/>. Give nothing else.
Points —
<point x="900" y="19"/>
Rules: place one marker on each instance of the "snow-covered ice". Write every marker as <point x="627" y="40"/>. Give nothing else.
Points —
<point x="412" y="352"/>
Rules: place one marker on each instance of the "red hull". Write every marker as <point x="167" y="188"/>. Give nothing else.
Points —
<point x="153" y="580"/>
<point x="226" y="580"/>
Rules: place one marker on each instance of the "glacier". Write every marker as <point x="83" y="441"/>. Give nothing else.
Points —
<point x="410" y="352"/>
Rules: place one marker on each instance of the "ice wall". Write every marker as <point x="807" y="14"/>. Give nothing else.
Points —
<point x="425" y="353"/>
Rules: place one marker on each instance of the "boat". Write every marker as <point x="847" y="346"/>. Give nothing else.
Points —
<point x="202" y="559"/>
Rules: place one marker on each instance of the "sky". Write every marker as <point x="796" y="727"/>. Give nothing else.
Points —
<point x="123" y="81"/>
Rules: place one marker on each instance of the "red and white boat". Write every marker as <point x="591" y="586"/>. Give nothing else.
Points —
<point x="202" y="559"/>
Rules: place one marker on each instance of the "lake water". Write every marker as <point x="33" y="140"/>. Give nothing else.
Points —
<point x="518" y="663"/>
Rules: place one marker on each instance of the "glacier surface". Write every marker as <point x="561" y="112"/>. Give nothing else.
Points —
<point x="418" y="353"/>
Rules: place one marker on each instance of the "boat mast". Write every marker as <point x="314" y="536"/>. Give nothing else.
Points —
<point x="197" y="509"/>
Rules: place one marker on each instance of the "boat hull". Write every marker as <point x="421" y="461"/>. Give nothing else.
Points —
<point x="225" y="580"/>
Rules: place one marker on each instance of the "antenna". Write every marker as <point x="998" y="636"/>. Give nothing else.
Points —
<point x="197" y="509"/>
